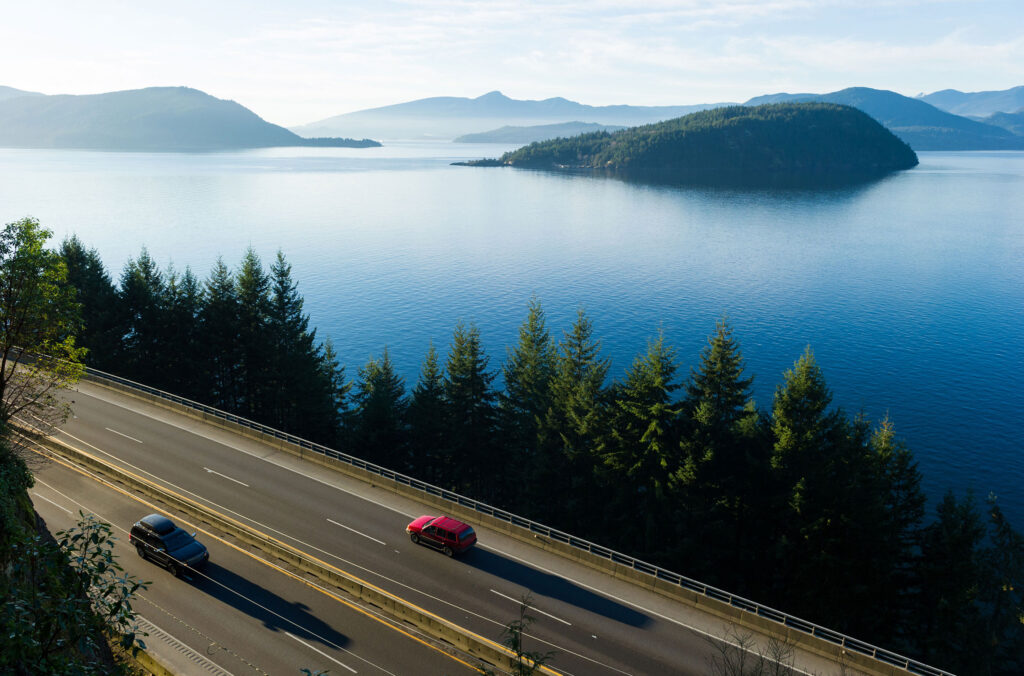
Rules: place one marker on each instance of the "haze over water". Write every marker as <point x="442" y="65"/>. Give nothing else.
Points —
<point x="910" y="290"/>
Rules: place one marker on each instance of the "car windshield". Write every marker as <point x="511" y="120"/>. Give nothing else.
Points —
<point x="466" y="534"/>
<point x="177" y="540"/>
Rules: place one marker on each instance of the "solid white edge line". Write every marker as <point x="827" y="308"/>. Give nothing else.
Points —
<point x="123" y="435"/>
<point x="533" y="608"/>
<point x="52" y="502"/>
<point x="368" y="537"/>
<point x="213" y="471"/>
<point x="321" y="653"/>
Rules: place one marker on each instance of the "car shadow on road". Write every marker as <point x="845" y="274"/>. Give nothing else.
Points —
<point x="552" y="586"/>
<point x="276" y="613"/>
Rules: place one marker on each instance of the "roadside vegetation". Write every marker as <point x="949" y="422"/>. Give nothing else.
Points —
<point x="799" y="505"/>
<point x="65" y="601"/>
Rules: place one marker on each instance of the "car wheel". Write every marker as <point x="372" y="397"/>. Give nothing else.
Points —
<point x="447" y="551"/>
<point x="175" y="569"/>
<point x="415" y="538"/>
<point x="141" y="550"/>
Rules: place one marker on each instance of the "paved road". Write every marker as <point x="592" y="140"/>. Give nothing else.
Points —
<point x="594" y="623"/>
<point x="238" y="615"/>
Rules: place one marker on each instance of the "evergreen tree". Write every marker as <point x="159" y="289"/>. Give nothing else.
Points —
<point x="892" y="575"/>
<point x="180" y="339"/>
<point x="1003" y="596"/>
<point x="219" y="335"/>
<point x="296" y="396"/>
<point x="640" y="451"/>
<point x="471" y="416"/>
<point x="103" y="325"/>
<point x="335" y="408"/>
<point x="380" y="414"/>
<point x="567" y="461"/>
<point x="725" y="459"/>
<point x="427" y="427"/>
<point x="254" y="337"/>
<point x="952" y="632"/>
<point x="528" y="372"/>
<point x="142" y="296"/>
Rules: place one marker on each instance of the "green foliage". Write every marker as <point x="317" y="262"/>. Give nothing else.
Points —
<point x="470" y="403"/>
<point x="62" y="599"/>
<point x="526" y="662"/>
<point x="807" y="138"/>
<point x="380" y="412"/>
<point x="38" y="315"/>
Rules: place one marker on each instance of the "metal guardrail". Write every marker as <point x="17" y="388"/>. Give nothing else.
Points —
<point x="824" y="633"/>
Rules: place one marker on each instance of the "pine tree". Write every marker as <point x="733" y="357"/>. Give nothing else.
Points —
<point x="565" y="487"/>
<point x="180" y="339"/>
<point x="142" y="296"/>
<point x="219" y="336"/>
<point x="254" y="339"/>
<point x="103" y="325"/>
<point x="641" y="449"/>
<point x="471" y="415"/>
<point x="725" y="459"/>
<point x="528" y="373"/>
<point x="380" y="433"/>
<point x="427" y="423"/>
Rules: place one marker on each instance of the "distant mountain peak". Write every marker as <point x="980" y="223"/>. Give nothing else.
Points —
<point x="493" y="96"/>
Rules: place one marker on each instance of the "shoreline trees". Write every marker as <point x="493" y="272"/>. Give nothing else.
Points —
<point x="800" y="506"/>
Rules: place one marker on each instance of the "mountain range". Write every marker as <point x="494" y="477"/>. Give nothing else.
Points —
<point x="977" y="104"/>
<point x="542" y="132"/>
<point x="922" y="122"/>
<point x="154" y="119"/>
<point x="446" y="117"/>
<point x="915" y="121"/>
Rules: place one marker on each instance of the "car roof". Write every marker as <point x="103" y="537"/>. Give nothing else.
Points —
<point x="448" y="523"/>
<point x="161" y="524"/>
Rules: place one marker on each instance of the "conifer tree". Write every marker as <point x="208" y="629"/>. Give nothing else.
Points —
<point x="725" y="459"/>
<point x="571" y="426"/>
<point x="142" y="296"/>
<point x="103" y="325"/>
<point x="427" y="422"/>
<point x="641" y="449"/>
<point x="219" y="336"/>
<point x="471" y="414"/>
<point x="528" y="372"/>
<point x="254" y="340"/>
<point x="381" y="405"/>
<point x="180" y="338"/>
<point x="335" y="405"/>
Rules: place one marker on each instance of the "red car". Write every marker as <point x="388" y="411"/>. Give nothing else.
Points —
<point x="442" y="532"/>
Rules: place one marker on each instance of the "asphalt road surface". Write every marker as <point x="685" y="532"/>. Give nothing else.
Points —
<point x="593" y="623"/>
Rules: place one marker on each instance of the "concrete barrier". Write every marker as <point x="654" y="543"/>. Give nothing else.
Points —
<point x="826" y="647"/>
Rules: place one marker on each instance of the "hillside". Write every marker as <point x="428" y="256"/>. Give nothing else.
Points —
<point x="447" y="117"/>
<point x="1013" y="122"/>
<point x="11" y="93"/>
<point x="810" y="139"/>
<point x="156" y="118"/>
<point x="542" y="132"/>
<point x="978" y="104"/>
<point x="920" y="124"/>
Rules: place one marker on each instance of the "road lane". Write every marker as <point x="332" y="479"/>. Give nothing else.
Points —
<point x="614" y="627"/>
<point x="238" y="612"/>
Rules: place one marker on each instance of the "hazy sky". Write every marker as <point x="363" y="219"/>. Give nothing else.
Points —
<point x="303" y="60"/>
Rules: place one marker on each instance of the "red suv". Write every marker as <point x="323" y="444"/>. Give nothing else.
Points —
<point x="442" y="532"/>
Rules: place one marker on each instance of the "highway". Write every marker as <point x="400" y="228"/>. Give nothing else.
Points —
<point x="594" y="623"/>
<point x="240" y="614"/>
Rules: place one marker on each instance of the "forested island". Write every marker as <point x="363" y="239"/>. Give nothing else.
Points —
<point x="802" y="139"/>
<point x="797" y="504"/>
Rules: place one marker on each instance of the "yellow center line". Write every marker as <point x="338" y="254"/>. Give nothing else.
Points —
<point x="150" y="505"/>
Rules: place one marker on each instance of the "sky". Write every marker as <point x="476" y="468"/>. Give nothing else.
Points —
<point x="304" y="60"/>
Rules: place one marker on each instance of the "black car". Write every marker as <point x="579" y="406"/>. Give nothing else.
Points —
<point x="156" y="537"/>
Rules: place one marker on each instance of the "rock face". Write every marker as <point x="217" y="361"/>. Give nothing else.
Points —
<point x="806" y="139"/>
<point x="156" y="118"/>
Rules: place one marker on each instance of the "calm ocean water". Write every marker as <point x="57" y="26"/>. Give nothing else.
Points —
<point x="910" y="290"/>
